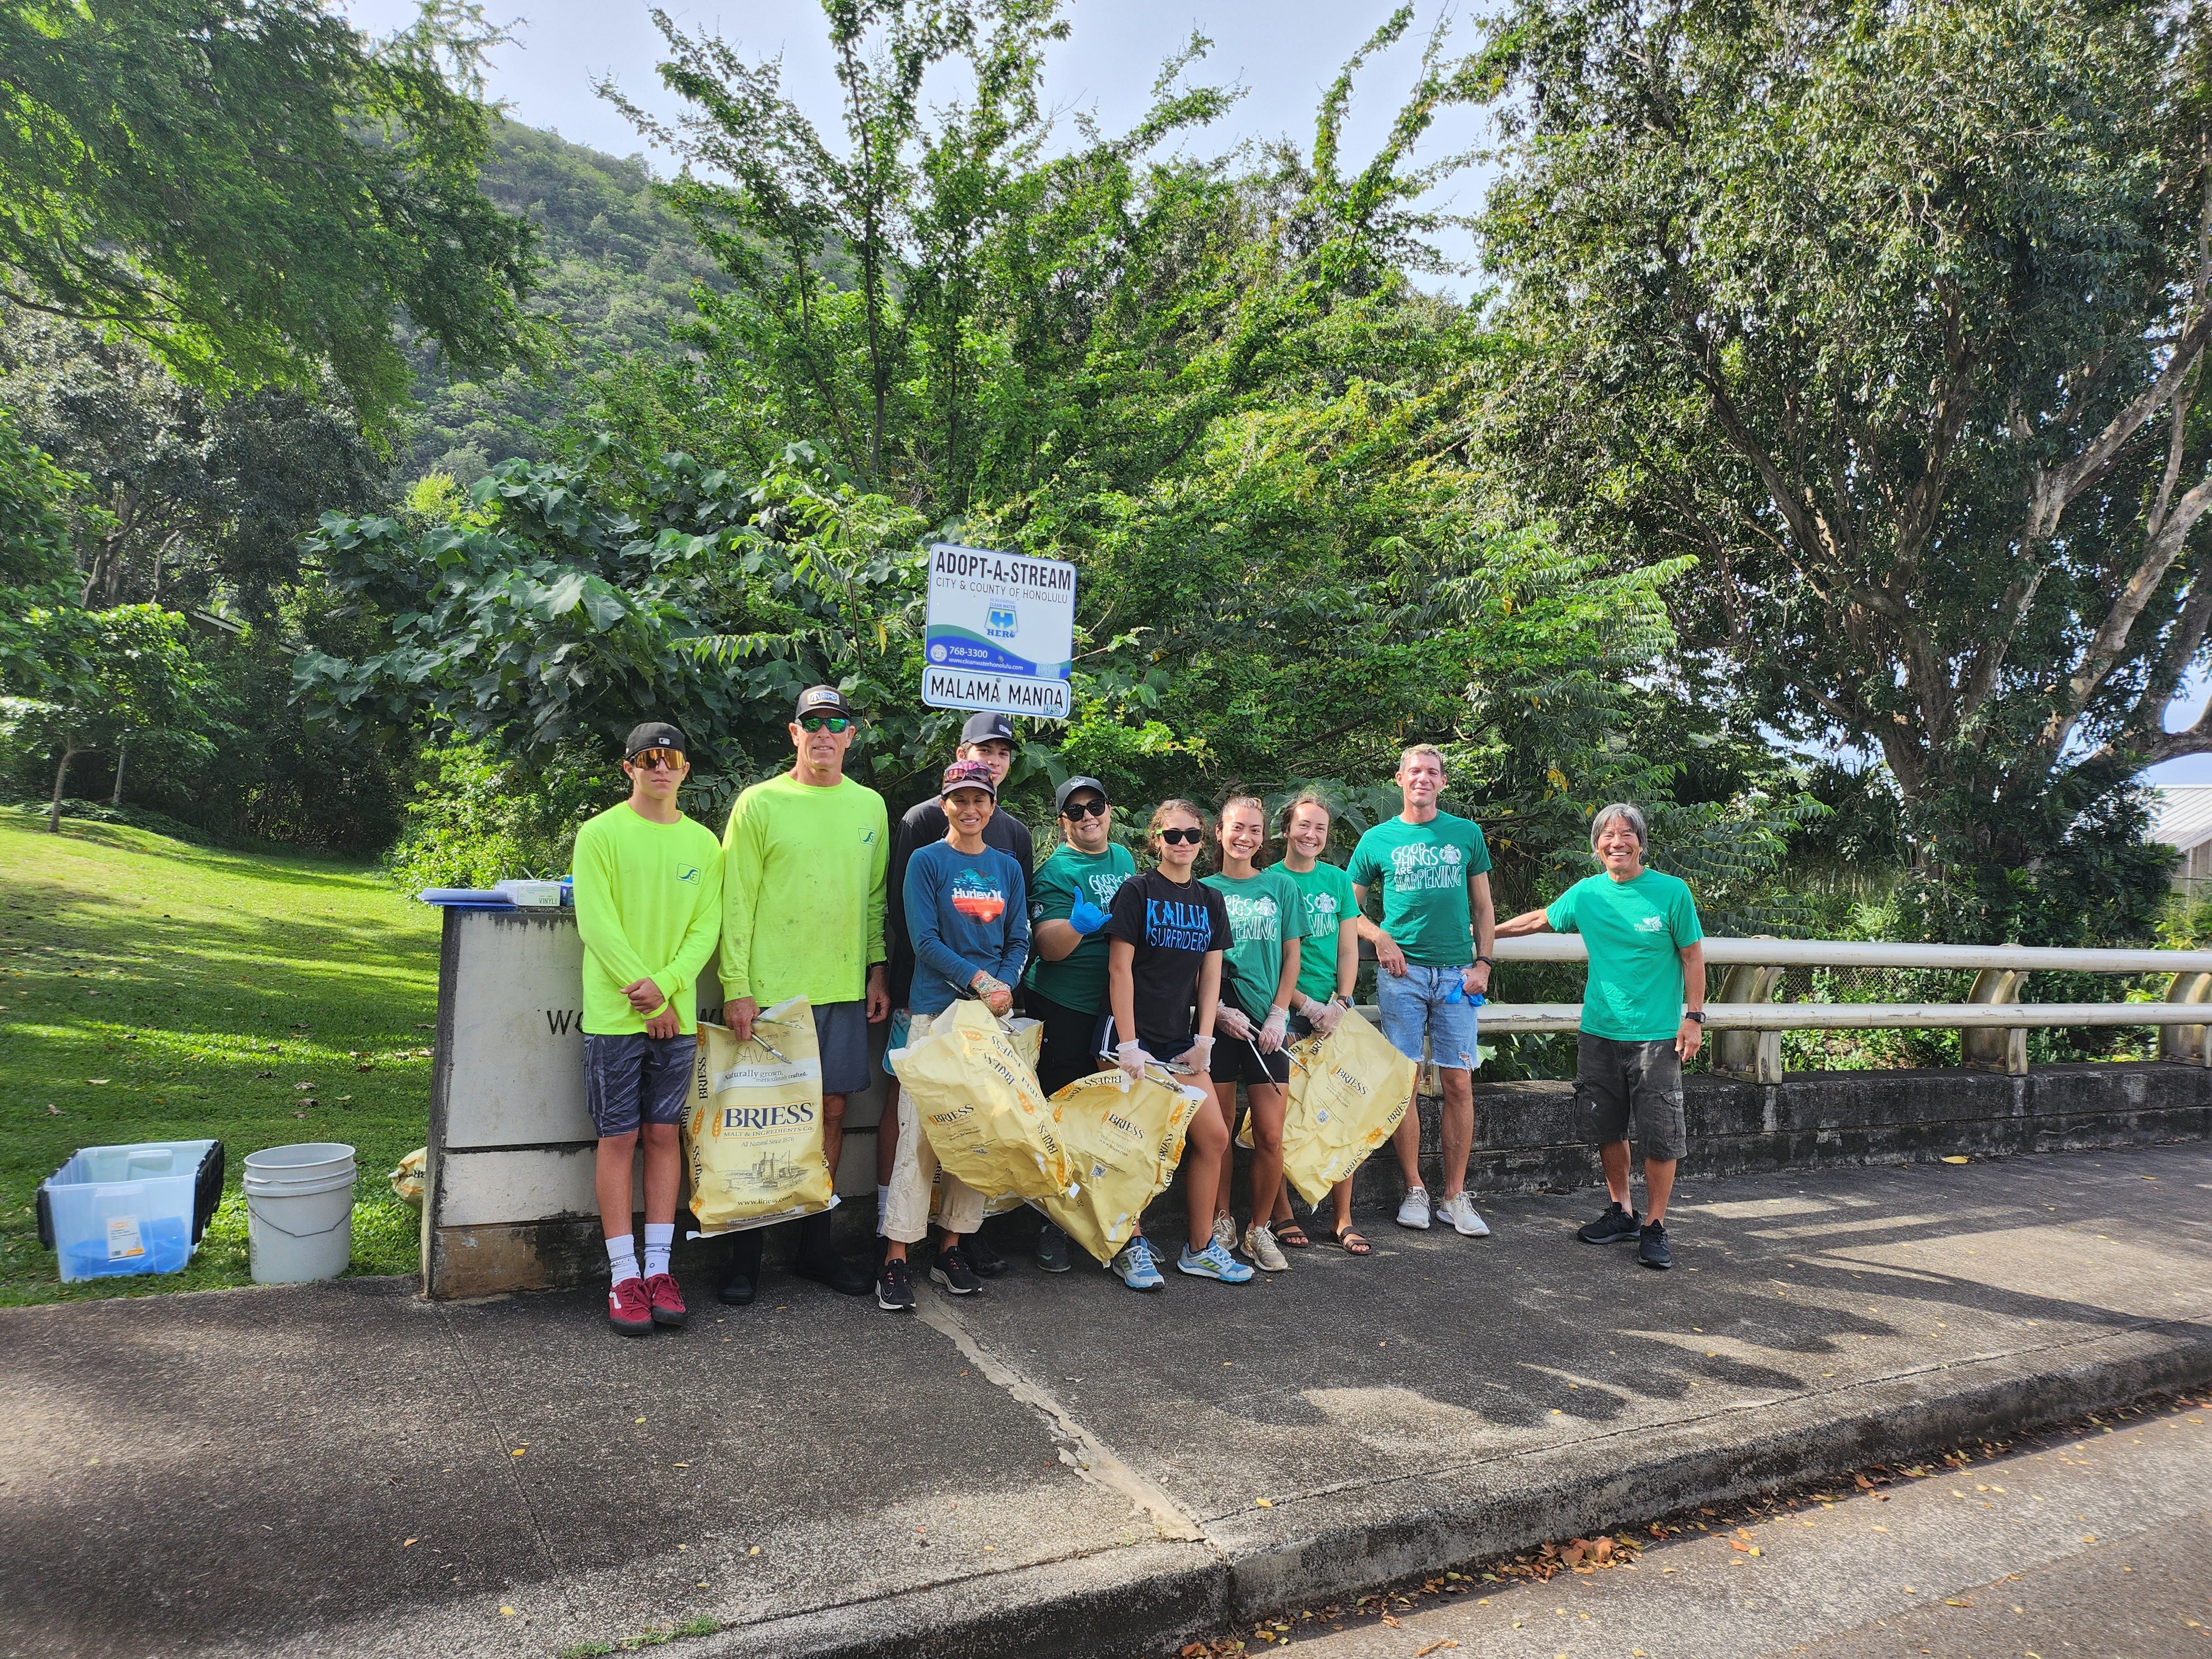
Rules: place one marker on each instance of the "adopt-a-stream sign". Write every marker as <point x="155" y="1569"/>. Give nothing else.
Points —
<point x="1000" y="633"/>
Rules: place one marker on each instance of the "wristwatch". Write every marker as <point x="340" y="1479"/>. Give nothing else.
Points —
<point x="1697" y="1014"/>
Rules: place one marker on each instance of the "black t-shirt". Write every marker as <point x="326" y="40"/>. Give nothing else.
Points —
<point x="1172" y="924"/>
<point x="925" y="823"/>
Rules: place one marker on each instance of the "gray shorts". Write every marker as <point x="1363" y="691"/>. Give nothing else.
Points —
<point x="1617" y="1082"/>
<point x="632" y="1078"/>
<point x="841" y="1032"/>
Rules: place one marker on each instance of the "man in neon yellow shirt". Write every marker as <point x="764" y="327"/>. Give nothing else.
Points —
<point x="803" y="861"/>
<point x="648" y="903"/>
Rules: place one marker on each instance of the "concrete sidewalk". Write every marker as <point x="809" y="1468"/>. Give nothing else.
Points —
<point x="1058" y="1465"/>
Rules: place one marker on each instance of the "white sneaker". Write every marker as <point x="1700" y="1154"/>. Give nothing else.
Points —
<point x="1260" y="1244"/>
<point x="1225" y="1231"/>
<point x="1414" y="1212"/>
<point x="1459" y="1210"/>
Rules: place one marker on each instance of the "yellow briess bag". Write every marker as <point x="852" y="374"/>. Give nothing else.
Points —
<point x="1126" y="1144"/>
<point x="978" y="1102"/>
<point x="1348" y="1095"/>
<point x="752" y="1138"/>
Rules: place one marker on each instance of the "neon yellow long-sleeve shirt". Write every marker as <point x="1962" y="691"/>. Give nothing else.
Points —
<point x="803" y="891"/>
<point x="648" y="906"/>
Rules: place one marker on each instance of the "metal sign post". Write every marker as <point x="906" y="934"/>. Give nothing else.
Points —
<point x="1000" y="633"/>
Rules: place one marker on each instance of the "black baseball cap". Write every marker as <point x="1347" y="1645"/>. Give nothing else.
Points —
<point x="1060" y="795"/>
<point x="989" y="726"/>
<point x="823" y="700"/>
<point x="654" y="734"/>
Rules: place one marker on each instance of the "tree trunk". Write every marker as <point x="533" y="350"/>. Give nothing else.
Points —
<point x="69" y="752"/>
<point x="122" y="754"/>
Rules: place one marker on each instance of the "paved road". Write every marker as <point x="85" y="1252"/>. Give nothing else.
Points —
<point x="341" y="1469"/>
<point x="2095" y="1544"/>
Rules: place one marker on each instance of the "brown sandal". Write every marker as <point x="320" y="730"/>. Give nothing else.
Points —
<point x="1351" y="1243"/>
<point x="1291" y="1237"/>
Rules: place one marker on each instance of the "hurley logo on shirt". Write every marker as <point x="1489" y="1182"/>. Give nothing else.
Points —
<point x="978" y="897"/>
<point x="1173" y="925"/>
<point x="1424" y="865"/>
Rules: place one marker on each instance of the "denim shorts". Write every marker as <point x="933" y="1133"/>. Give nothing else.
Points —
<point x="1413" y="1007"/>
<point x="631" y="1077"/>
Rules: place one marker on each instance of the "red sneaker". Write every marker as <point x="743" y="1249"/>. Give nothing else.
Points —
<point x="629" y="1309"/>
<point x="667" y="1301"/>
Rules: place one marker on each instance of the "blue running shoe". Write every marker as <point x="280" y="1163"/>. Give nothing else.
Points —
<point x="1213" y="1262"/>
<point x="1134" y="1264"/>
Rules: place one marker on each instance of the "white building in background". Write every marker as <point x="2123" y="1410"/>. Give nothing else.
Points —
<point x="2183" y="822"/>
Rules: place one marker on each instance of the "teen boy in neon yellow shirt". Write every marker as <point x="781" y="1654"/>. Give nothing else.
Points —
<point x="803" y="871"/>
<point x="649" y="886"/>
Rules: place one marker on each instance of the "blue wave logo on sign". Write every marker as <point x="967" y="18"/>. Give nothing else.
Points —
<point x="1000" y="624"/>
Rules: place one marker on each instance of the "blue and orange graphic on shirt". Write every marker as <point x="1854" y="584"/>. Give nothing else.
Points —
<point x="978" y="897"/>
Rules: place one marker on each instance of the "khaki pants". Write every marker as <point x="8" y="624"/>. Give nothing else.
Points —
<point x="905" y="1215"/>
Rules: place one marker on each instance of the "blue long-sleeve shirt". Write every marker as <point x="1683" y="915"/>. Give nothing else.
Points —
<point x="967" y="913"/>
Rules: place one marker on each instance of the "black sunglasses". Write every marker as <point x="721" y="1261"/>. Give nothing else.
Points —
<point x="1084" y="809"/>
<point x="1181" y="836"/>
<point x="816" y="722"/>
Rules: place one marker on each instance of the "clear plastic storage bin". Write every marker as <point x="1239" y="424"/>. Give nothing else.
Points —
<point x="139" y="1209"/>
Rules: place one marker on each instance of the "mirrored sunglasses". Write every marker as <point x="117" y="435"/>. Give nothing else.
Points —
<point x="647" y="759"/>
<point x="817" y="722"/>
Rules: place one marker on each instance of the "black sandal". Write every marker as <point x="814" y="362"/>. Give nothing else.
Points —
<point x="1292" y="1236"/>
<point x="1351" y="1243"/>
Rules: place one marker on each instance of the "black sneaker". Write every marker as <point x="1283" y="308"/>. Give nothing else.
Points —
<point x="1616" y="1226"/>
<point x="895" y="1289"/>
<point x="1651" y="1246"/>
<point x="949" y="1268"/>
<point x="1052" y="1249"/>
<point x="986" y="1261"/>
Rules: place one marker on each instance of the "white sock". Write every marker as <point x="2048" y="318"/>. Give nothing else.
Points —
<point x="659" y="1237"/>
<point x="622" y="1256"/>
<point x="882" y="1206"/>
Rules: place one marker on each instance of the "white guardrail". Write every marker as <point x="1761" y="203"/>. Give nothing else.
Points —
<point x="1992" y="1023"/>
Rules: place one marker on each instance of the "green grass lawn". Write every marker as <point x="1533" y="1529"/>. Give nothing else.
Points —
<point x="151" y="990"/>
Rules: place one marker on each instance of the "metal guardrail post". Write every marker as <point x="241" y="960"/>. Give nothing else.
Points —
<point x="1995" y="1049"/>
<point x="1754" y="1055"/>
<point x="2186" y="1043"/>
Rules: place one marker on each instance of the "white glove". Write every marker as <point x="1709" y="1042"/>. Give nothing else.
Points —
<point x="1324" y="1017"/>
<point x="1132" y="1059"/>
<point x="1198" y="1057"/>
<point x="1273" y="1033"/>
<point x="1232" y="1023"/>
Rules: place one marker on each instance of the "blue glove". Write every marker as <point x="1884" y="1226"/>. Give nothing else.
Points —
<point x="1086" y="918"/>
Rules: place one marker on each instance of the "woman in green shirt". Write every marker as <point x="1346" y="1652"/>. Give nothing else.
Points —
<point x="1259" y="977"/>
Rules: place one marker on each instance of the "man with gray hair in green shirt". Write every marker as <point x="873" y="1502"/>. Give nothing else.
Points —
<point x="803" y="860"/>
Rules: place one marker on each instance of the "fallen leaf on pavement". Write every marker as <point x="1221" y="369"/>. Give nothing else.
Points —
<point x="1420" y="1653"/>
<point x="1958" y="1600"/>
<point x="1958" y="1160"/>
<point x="1389" y="1620"/>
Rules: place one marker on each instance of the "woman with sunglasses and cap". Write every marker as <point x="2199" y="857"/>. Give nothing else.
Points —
<point x="1166" y="932"/>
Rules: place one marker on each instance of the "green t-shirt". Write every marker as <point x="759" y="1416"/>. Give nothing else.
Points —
<point x="1634" y="930"/>
<point x="648" y="906"/>
<point x="1330" y="900"/>
<point x="1423" y="871"/>
<point x="1264" y="910"/>
<point x="1078" y="980"/>
<point x="803" y="873"/>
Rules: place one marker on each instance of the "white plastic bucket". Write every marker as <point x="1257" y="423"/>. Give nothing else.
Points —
<point x="299" y="1212"/>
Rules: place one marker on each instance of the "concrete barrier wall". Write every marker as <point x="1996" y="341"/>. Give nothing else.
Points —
<point x="508" y="1199"/>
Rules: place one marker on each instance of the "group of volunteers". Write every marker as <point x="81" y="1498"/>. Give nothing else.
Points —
<point x="813" y="892"/>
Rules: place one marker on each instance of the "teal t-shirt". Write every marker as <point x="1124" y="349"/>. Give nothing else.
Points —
<point x="1329" y="899"/>
<point x="1423" y="871"/>
<point x="1634" y="930"/>
<point x="1078" y="980"/>
<point x="1264" y="910"/>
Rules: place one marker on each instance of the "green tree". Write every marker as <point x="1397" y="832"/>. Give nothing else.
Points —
<point x="1894" y="318"/>
<point x="255" y="192"/>
<point x="105" y="679"/>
